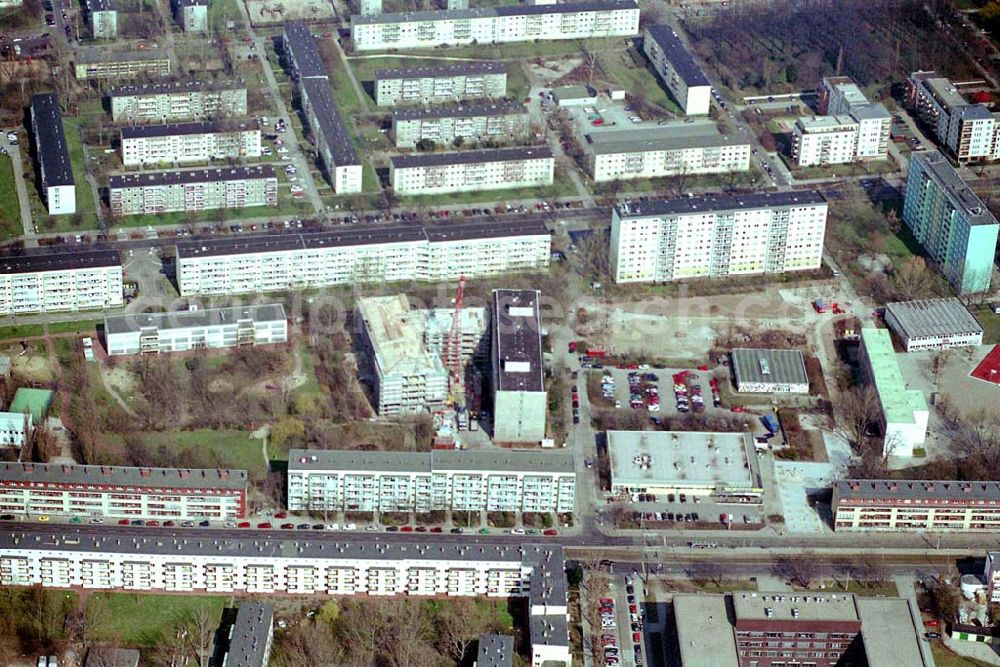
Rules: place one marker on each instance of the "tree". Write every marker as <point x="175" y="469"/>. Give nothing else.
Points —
<point x="199" y="632"/>
<point x="870" y="570"/>
<point x="704" y="572"/>
<point x="800" y="569"/>
<point x="944" y="599"/>
<point x="287" y="432"/>
<point x="857" y="409"/>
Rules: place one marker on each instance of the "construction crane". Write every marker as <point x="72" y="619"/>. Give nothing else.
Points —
<point x="453" y="348"/>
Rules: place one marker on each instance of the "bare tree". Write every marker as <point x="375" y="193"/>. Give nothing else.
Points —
<point x="857" y="410"/>
<point x="800" y="569"/>
<point x="704" y="572"/>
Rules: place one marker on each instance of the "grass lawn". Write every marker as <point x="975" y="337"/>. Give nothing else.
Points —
<point x="991" y="325"/>
<point x="141" y="619"/>
<point x="311" y="385"/>
<point x="220" y="11"/>
<point x="84" y="197"/>
<point x="875" y="167"/>
<point x="21" y="331"/>
<point x="78" y="327"/>
<point x="10" y="212"/>
<point x="945" y="658"/>
<point x="620" y="70"/>
<point x="236" y="449"/>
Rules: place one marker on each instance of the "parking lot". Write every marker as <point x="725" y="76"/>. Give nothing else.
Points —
<point x="657" y="392"/>
<point x="622" y="625"/>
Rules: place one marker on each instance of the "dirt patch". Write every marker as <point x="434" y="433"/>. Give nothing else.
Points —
<point x="120" y="379"/>
<point x="32" y="367"/>
<point x="219" y="386"/>
<point x="549" y="70"/>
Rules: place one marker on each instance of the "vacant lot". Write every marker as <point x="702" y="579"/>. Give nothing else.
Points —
<point x="146" y="620"/>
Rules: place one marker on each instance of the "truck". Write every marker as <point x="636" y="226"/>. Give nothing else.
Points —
<point x="770" y="423"/>
<point x="596" y="352"/>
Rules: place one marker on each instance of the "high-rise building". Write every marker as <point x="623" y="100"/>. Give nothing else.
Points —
<point x="824" y="140"/>
<point x="841" y="96"/>
<point x="968" y="131"/>
<point x="192" y="15"/>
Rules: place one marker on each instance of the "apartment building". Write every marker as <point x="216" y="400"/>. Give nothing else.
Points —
<point x="177" y="101"/>
<point x="903" y="412"/>
<point x="15" y="429"/>
<point x="36" y="555"/>
<point x="180" y="331"/>
<point x="495" y="651"/>
<point x="54" y="167"/>
<point x="100" y="63"/>
<point x="187" y="143"/>
<point x="496" y="25"/>
<point x="841" y="96"/>
<point x="156" y="192"/>
<point x="488" y="169"/>
<point x="249" y="639"/>
<point x="991" y="575"/>
<point x="55" y="489"/>
<point x="933" y="324"/>
<point x="360" y="255"/>
<point x="494" y="480"/>
<point x="916" y="505"/>
<point x="968" y="131"/>
<point x="472" y="123"/>
<point x="369" y="7"/>
<point x="472" y="80"/>
<point x="951" y="222"/>
<point x="664" y="151"/>
<point x="717" y="236"/>
<point x="192" y="15"/>
<point x="517" y="366"/>
<point x="103" y="18"/>
<point x="824" y="140"/>
<point x="680" y="73"/>
<point x="329" y="133"/>
<point x="47" y="280"/>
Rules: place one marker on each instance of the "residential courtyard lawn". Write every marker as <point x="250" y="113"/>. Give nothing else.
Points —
<point x="140" y="619"/>
<point x="236" y="449"/>
<point x="21" y="331"/>
<point x="10" y="212"/>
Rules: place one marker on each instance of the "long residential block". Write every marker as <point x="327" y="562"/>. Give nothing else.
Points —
<point x="157" y="192"/>
<point x="443" y="83"/>
<point x="680" y="73"/>
<point x="42" y="280"/>
<point x="951" y="222"/>
<point x="31" y="556"/>
<point x="717" y="236"/>
<point x="481" y="123"/>
<point x="180" y="331"/>
<point x="902" y="412"/>
<point x="494" y="480"/>
<point x="490" y="169"/>
<point x="122" y="492"/>
<point x="54" y="165"/>
<point x="496" y="25"/>
<point x="360" y="255"/>
<point x="916" y="505"/>
<point x="969" y="131"/>
<point x="101" y="63"/>
<point x="186" y="143"/>
<point x="178" y="101"/>
<point x="664" y="151"/>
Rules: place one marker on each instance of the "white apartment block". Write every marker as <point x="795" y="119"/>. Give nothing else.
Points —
<point x="443" y="83"/>
<point x="496" y="25"/>
<point x="969" y="131"/>
<point x="54" y="166"/>
<point x="517" y="367"/>
<point x="493" y="480"/>
<point x="824" y="140"/>
<point x="156" y="192"/>
<point x="172" y="102"/>
<point x="180" y="331"/>
<point x="33" y="556"/>
<point x="360" y="255"/>
<point x="15" y="429"/>
<point x="103" y="18"/>
<point x="187" y="143"/>
<point x="680" y="73"/>
<point x="841" y="96"/>
<point x="474" y="123"/>
<point x="193" y="15"/>
<point x="41" y="280"/>
<point x="101" y="63"/>
<point x="490" y="169"/>
<point x="717" y="236"/>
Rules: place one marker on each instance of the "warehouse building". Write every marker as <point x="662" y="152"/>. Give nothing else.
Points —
<point x="475" y="170"/>
<point x="969" y="131"/>
<point x="902" y="412"/>
<point x="670" y="150"/>
<point x="916" y="506"/>
<point x="933" y="324"/>
<point x="951" y="222"/>
<point x="472" y="80"/>
<point x="180" y="331"/>
<point x="103" y="18"/>
<point x="36" y="555"/>
<point x="496" y="25"/>
<point x="824" y="140"/>
<point x="177" y="101"/>
<point x="476" y="123"/>
<point x="100" y="63"/>
<point x="517" y="365"/>
<point x="678" y="70"/>
<point x="770" y="371"/>
<point x="330" y="136"/>
<point x="155" y="192"/>
<point x="717" y="236"/>
<point x="55" y="489"/>
<point x="187" y="143"/>
<point x="44" y="280"/>
<point x="480" y="480"/>
<point x="54" y="167"/>
<point x="249" y="639"/>
<point x="699" y="464"/>
<point x="192" y="15"/>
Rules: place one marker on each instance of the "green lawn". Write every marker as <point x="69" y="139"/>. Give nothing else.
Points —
<point x="84" y="197"/>
<point x="10" y="212"/>
<point x="619" y="69"/>
<point x="945" y="658"/>
<point x="21" y="331"/>
<point x="141" y="619"/>
<point x="991" y="325"/>
<point x="78" y="327"/>
<point x="235" y="448"/>
<point x="219" y="11"/>
<point x="311" y="385"/>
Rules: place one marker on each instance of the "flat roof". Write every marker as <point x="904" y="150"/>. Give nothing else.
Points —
<point x="100" y="5"/>
<point x="574" y="93"/>
<point x="179" y="478"/>
<point x="517" y="363"/>
<point x="781" y="366"/>
<point x="931" y="318"/>
<point x="34" y="401"/>
<point x="397" y="337"/>
<point x="153" y="178"/>
<point x="196" y="127"/>
<point x="39" y="260"/>
<point x="678" y="56"/>
<point x="444" y="460"/>
<point x="465" y="110"/>
<point x="183" y="319"/>
<point x="501" y="11"/>
<point x="441" y="71"/>
<point x="172" y="87"/>
<point x="661" y="138"/>
<point x="331" y="125"/>
<point x="495" y="651"/>
<point x="944" y="90"/>
<point x="870" y="110"/>
<point x="451" y="232"/>
<point x="299" y="41"/>
<point x="471" y="157"/>
<point x="892" y="489"/>
<point x="939" y="170"/>
<point x="288" y="242"/>
<point x="848" y="89"/>
<point x="705" y="630"/>
<point x="647" y="458"/>
<point x="100" y="55"/>
<point x="888" y="632"/>
<point x="898" y="402"/>
<point x="718" y="203"/>
<point x="821" y="124"/>
<point x="51" y="140"/>
<point x="249" y="638"/>
<point x="793" y="606"/>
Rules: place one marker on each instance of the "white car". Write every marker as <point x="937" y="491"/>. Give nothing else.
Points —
<point x="333" y="526"/>
<point x="293" y="179"/>
<point x="350" y="526"/>
<point x="266" y="151"/>
<point x="286" y="158"/>
<point x="282" y="149"/>
<point x="518" y="531"/>
<point x="297" y="188"/>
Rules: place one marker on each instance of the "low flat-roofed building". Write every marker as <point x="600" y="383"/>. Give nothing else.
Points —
<point x="916" y="505"/>
<point x="770" y="371"/>
<point x="178" y="101"/>
<point x="698" y="463"/>
<point x="495" y="651"/>
<point x="15" y="428"/>
<point x="54" y="165"/>
<point x="188" y="143"/>
<point x="474" y="122"/>
<point x="678" y="70"/>
<point x="102" y="63"/>
<point x="180" y="331"/>
<point x="474" y="170"/>
<point x="824" y="140"/>
<point x="933" y="324"/>
<point x="517" y="367"/>
<point x="887" y="631"/>
<point x="574" y="96"/>
<point x="705" y="630"/>
<point x="903" y="412"/>
<point x="471" y="80"/>
<point x="43" y="280"/>
<point x="155" y="192"/>
<point x="250" y="636"/>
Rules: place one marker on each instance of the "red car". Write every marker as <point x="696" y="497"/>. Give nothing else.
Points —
<point x="154" y="523"/>
<point x="931" y="623"/>
<point x="264" y="525"/>
<point x="550" y="532"/>
<point x="280" y="515"/>
<point x="122" y="522"/>
<point x="637" y="637"/>
<point x="607" y="602"/>
<point x="243" y="524"/>
<point x="287" y="526"/>
<point x="406" y="529"/>
<point x="738" y="408"/>
<point x="437" y="529"/>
